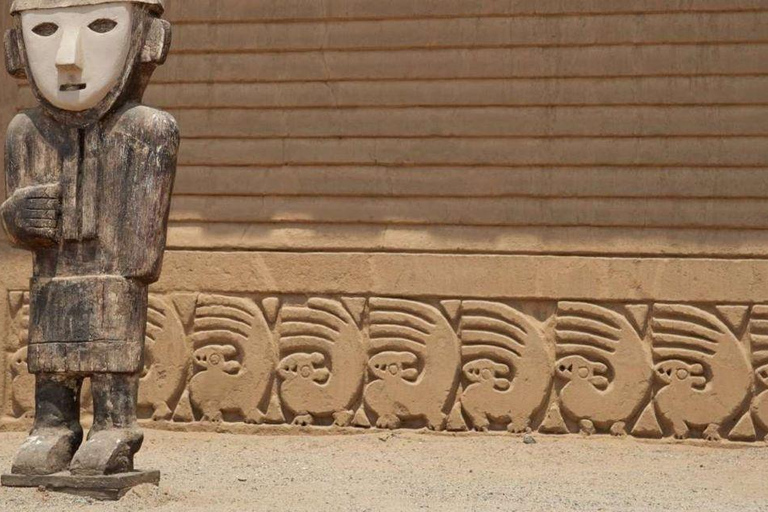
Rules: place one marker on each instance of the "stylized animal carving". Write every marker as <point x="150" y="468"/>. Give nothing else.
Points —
<point x="760" y="404"/>
<point x="607" y="367"/>
<point x="166" y="361"/>
<point x="19" y="328"/>
<point x="23" y="385"/>
<point x="22" y="382"/>
<point x="235" y="356"/>
<point x="509" y="365"/>
<point x="705" y="370"/>
<point x="323" y="364"/>
<point x="758" y="331"/>
<point x="416" y="356"/>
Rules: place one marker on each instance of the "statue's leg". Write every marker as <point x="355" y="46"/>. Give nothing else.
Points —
<point x="115" y="436"/>
<point x="56" y="433"/>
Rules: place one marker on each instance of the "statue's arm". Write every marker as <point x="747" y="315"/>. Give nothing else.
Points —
<point x="30" y="214"/>
<point x="150" y="206"/>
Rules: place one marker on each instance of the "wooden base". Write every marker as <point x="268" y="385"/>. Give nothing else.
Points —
<point x="104" y="487"/>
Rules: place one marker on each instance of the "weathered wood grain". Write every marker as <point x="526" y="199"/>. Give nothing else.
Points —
<point x="112" y="487"/>
<point x="89" y="195"/>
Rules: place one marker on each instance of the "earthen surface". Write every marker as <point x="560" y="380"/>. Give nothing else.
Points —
<point x="385" y="472"/>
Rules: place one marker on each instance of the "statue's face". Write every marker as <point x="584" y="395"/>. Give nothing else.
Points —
<point x="77" y="55"/>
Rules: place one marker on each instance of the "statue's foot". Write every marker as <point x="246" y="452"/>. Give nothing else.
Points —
<point x="46" y="451"/>
<point x="107" y="452"/>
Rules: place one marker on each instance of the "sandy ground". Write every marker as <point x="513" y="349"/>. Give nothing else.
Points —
<point x="415" y="471"/>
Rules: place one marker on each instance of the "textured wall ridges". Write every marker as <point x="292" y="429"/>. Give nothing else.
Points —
<point x="513" y="127"/>
<point x="277" y="10"/>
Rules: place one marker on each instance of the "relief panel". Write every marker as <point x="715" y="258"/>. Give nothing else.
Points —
<point x="605" y="366"/>
<point x="758" y="331"/>
<point x="166" y="359"/>
<point x="22" y="385"/>
<point x="704" y="369"/>
<point x="323" y="361"/>
<point x="234" y="359"/>
<point x="507" y="365"/>
<point x="646" y="370"/>
<point x="22" y="389"/>
<point x="415" y="356"/>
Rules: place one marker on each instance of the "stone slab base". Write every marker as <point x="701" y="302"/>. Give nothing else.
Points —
<point x="105" y="487"/>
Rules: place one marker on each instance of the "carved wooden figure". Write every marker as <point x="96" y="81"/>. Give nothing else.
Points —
<point x="89" y="176"/>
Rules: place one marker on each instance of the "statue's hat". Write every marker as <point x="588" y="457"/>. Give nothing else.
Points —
<point x="26" y="5"/>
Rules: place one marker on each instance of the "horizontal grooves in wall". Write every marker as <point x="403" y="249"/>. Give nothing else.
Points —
<point x="294" y="10"/>
<point x="636" y="242"/>
<point x="654" y="60"/>
<point x="655" y="91"/>
<point x="437" y="152"/>
<point x="516" y="211"/>
<point x="553" y="182"/>
<point x="682" y="28"/>
<point x="476" y="122"/>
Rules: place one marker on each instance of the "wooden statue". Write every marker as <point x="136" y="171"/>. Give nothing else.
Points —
<point x="89" y="177"/>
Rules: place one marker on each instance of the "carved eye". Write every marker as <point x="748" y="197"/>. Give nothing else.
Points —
<point x="46" y="29"/>
<point x="103" y="25"/>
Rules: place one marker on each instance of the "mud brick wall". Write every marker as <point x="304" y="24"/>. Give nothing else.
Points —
<point x="490" y="215"/>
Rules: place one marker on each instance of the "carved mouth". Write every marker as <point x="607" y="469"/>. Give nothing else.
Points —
<point x="72" y="87"/>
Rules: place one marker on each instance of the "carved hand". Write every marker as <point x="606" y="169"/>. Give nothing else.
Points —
<point x="31" y="215"/>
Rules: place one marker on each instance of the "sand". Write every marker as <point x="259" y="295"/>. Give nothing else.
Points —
<point x="407" y="471"/>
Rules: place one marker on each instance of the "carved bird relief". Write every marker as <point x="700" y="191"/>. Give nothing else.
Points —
<point x="758" y="331"/>
<point x="166" y="359"/>
<point x="20" y="321"/>
<point x="22" y="382"/>
<point x="760" y="404"/>
<point x="606" y="366"/>
<point x="22" y="385"/>
<point x="234" y="358"/>
<point x="415" y="361"/>
<point x="323" y="363"/>
<point x="508" y="365"/>
<point x="704" y="368"/>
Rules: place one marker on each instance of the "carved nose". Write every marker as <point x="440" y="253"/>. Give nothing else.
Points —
<point x="69" y="56"/>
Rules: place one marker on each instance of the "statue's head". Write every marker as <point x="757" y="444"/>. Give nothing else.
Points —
<point x="82" y="57"/>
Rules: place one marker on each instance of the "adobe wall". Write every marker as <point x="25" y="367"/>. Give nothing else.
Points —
<point x="462" y="215"/>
